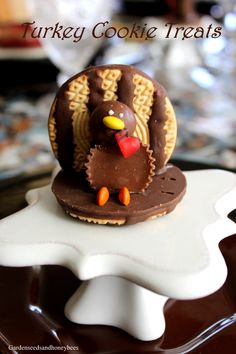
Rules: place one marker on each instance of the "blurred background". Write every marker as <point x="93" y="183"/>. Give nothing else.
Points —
<point x="199" y="75"/>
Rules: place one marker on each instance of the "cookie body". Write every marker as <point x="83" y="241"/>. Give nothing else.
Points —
<point x="161" y="197"/>
<point x="69" y="120"/>
<point x="108" y="168"/>
<point x="113" y="129"/>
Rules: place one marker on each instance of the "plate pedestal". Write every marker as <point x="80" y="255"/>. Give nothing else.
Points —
<point x="118" y="302"/>
<point x="125" y="269"/>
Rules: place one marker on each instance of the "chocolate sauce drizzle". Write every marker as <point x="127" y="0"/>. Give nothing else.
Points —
<point x="64" y="129"/>
<point x="96" y="91"/>
<point x="125" y="90"/>
<point x="156" y="127"/>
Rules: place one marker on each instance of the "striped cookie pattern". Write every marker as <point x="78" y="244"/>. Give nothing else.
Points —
<point x="52" y="131"/>
<point x="110" y="79"/>
<point x="104" y="221"/>
<point x="78" y="94"/>
<point x="170" y="129"/>
<point x="143" y="101"/>
<point x="97" y="220"/>
<point x="112" y="82"/>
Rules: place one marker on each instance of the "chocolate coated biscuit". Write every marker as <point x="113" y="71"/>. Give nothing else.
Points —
<point x="69" y="121"/>
<point x="161" y="197"/>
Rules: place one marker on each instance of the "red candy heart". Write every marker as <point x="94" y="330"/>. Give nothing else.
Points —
<point x="128" y="144"/>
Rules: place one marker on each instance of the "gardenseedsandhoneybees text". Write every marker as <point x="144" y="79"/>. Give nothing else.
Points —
<point x="107" y="30"/>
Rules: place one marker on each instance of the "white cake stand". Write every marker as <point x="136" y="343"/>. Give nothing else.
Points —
<point x="129" y="271"/>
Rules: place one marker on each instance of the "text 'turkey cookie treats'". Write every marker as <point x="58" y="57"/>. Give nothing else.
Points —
<point x="113" y="130"/>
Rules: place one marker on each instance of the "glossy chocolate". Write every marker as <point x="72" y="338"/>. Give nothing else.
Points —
<point x="156" y="127"/>
<point x="162" y="196"/>
<point x="31" y="313"/>
<point x="100" y="133"/>
<point x="107" y="167"/>
<point x="125" y="93"/>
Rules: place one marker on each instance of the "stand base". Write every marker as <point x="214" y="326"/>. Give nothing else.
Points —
<point x="118" y="302"/>
<point x="176" y="255"/>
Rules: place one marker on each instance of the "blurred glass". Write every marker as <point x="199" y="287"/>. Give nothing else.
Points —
<point x="69" y="56"/>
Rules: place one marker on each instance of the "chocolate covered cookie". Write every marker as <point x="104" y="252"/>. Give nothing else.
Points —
<point x="113" y="129"/>
<point x="70" y="129"/>
<point x="161" y="197"/>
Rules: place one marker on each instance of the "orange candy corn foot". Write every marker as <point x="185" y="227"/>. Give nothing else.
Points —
<point x="102" y="196"/>
<point x="124" y="196"/>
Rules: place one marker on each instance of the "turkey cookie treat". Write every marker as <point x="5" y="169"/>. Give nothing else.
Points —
<point x="113" y="129"/>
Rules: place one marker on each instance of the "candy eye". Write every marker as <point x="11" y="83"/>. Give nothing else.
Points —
<point x="111" y="112"/>
<point x="121" y="115"/>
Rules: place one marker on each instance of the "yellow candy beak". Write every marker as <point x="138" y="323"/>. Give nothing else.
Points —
<point x="113" y="122"/>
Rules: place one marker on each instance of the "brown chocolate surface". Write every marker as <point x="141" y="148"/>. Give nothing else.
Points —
<point x="162" y="196"/>
<point x="107" y="167"/>
<point x="125" y="92"/>
<point x="95" y="87"/>
<point x="100" y="133"/>
<point x="156" y="128"/>
<point x="49" y="287"/>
